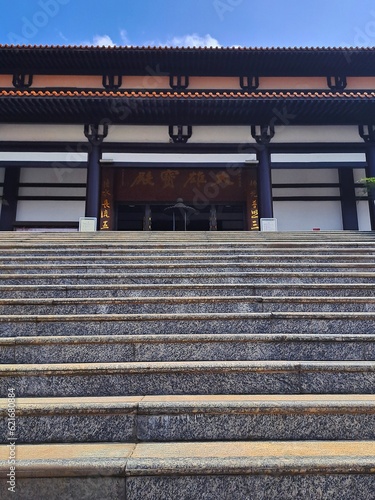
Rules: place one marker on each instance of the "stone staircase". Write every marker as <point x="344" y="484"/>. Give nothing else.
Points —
<point x="189" y="365"/>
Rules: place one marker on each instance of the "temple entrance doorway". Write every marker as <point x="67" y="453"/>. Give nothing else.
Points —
<point x="215" y="199"/>
<point x="155" y="217"/>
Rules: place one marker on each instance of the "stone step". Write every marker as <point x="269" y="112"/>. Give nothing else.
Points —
<point x="234" y="347"/>
<point x="194" y="258"/>
<point x="188" y="378"/>
<point x="187" y="267"/>
<point x="187" y="235"/>
<point x="194" y="323"/>
<point x="185" y="305"/>
<point x="199" y="235"/>
<point x="193" y="418"/>
<point x="188" y="290"/>
<point x="144" y="251"/>
<point x="106" y="278"/>
<point x="232" y="470"/>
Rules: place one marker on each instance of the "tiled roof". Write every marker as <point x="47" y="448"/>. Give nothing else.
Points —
<point x="181" y="49"/>
<point x="212" y="61"/>
<point x="295" y="95"/>
<point x="195" y="108"/>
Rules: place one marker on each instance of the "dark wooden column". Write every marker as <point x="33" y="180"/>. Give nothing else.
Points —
<point x="9" y="198"/>
<point x="348" y="199"/>
<point x="263" y="136"/>
<point x="368" y="135"/>
<point x="95" y="134"/>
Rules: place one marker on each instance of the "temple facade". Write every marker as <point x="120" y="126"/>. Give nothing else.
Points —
<point x="238" y="134"/>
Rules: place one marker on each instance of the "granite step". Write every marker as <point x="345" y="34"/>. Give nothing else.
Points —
<point x="194" y="323"/>
<point x="188" y="378"/>
<point x="189" y="277"/>
<point x="188" y="290"/>
<point x="139" y="348"/>
<point x="195" y="258"/>
<point x="159" y="250"/>
<point x="232" y="470"/>
<point x="226" y="266"/>
<point x="188" y="235"/>
<point x="258" y="353"/>
<point x="185" y="305"/>
<point x="193" y="418"/>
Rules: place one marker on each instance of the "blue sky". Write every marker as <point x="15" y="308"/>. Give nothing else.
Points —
<point x="189" y="22"/>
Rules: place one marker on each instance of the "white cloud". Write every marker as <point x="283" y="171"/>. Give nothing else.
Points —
<point x="61" y="35"/>
<point x="193" y="40"/>
<point x="124" y="37"/>
<point x="103" y="41"/>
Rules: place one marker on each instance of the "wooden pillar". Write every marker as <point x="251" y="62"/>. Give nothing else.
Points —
<point x="263" y="136"/>
<point x="9" y="198"/>
<point x="348" y="199"/>
<point x="370" y="172"/>
<point x="265" y="183"/>
<point x="95" y="134"/>
<point x="368" y="135"/>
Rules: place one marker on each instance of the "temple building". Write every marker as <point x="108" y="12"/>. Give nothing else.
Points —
<point x="239" y="134"/>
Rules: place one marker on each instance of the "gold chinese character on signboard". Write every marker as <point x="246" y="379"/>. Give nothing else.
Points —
<point x="106" y="204"/>
<point x="196" y="179"/>
<point x="104" y="214"/>
<point x="143" y="179"/>
<point x="223" y="179"/>
<point x="105" y="225"/>
<point x="168" y="177"/>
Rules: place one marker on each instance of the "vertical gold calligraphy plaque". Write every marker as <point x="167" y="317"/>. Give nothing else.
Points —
<point x="252" y="208"/>
<point x="106" y="200"/>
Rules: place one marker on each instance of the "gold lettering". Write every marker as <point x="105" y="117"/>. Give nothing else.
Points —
<point x="168" y="178"/>
<point x="223" y="180"/>
<point x="144" y="179"/>
<point x="196" y="179"/>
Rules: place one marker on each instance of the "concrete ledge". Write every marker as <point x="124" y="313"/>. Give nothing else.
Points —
<point x="239" y="470"/>
<point x="194" y="323"/>
<point x="192" y="289"/>
<point x="116" y="459"/>
<point x="193" y="418"/>
<point x="189" y="377"/>
<point x="68" y="460"/>
<point x="236" y="347"/>
<point x="187" y="277"/>
<point x="228" y="266"/>
<point x="183" y="305"/>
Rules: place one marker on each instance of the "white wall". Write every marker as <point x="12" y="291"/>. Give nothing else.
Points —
<point x="317" y="157"/>
<point x="53" y="175"/>
<point x="47" y="132"/>
<point x="145" y="133"/>
<point x="305" y="176"/>
<point x="54" y="211"/>
<point x="316" y="133"/>
<point x="51" y="210"/>
<point x="306" y="215"/>
<point x="363" y="213"/>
